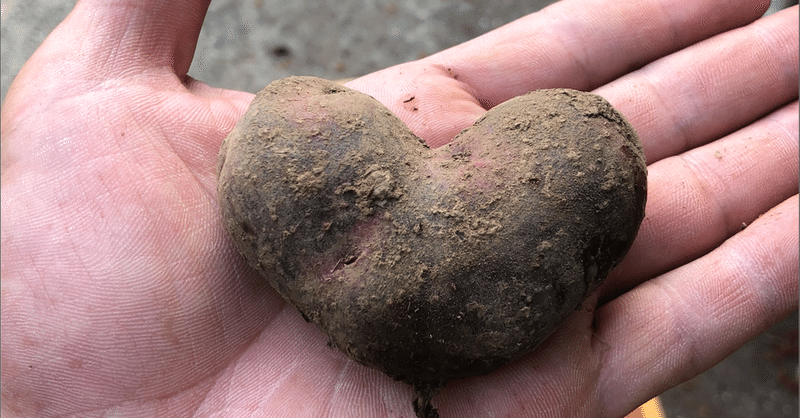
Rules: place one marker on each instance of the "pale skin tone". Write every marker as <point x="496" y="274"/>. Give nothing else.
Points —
<point x="122" y="294"/>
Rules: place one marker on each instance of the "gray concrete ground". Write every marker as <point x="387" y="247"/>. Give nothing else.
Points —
<point x="245" y="44"/>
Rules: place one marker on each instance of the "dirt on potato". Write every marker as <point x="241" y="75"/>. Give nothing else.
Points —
<point x="431" y="264"/>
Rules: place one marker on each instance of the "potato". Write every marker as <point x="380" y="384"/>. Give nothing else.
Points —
<point x="431" y="265"/>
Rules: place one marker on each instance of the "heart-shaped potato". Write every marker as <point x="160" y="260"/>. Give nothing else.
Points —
<point x="431" y="265"/>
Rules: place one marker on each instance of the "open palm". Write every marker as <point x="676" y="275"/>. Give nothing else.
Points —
<point x="122" y="294"/>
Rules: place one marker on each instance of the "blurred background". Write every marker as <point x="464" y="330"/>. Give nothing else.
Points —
<point x="246" y="44"/>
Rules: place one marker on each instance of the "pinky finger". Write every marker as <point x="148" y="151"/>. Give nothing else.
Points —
<point x="681" y="323"/>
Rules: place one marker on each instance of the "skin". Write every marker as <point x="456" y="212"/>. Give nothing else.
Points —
<point x="122" y="294"/>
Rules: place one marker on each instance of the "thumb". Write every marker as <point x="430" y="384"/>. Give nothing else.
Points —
<point x="113" y="39"/>
<point x="143" y="34"/>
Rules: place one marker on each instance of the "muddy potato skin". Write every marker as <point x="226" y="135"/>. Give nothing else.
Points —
<point x="431" y="265"/>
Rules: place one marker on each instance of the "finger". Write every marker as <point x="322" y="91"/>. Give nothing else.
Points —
<point x="712" y="88"/>
<point x="700" y="198"/>
<point x="560" y="46"/>
<point x="123" y="38"/>
<point x="142" y="34"/>
<point x="584" y="44"/>
<point x="683" y="322"/>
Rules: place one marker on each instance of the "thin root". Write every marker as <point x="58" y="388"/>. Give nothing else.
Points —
<point x="423" y="393"/>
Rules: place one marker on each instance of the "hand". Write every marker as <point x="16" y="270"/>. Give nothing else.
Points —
<point x="121" y="292"/>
